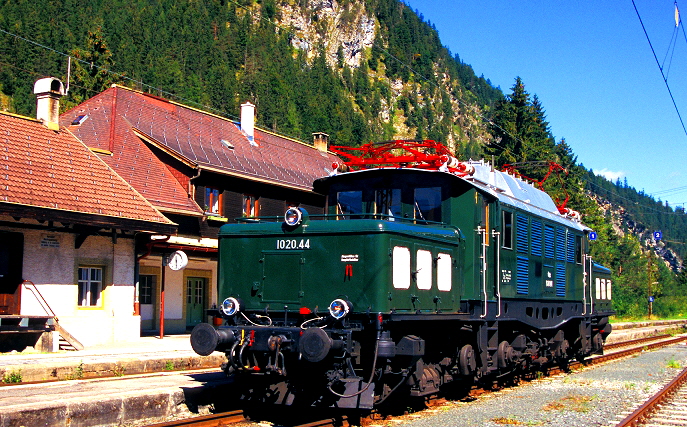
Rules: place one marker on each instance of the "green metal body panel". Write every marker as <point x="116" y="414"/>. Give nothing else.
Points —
<point x="270" y="266"/>
<point x="273" y="267"/>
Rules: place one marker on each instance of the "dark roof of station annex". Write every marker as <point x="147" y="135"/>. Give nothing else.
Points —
<point x="124" y="121"/>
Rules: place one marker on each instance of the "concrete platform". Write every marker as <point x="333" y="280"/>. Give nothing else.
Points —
<point x="98" y="386"/>
<point x="633" y="330"/>
<point x="145" y="355"/>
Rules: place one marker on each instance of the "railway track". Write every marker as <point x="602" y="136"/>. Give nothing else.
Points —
<point x="237" y="417"/>
<point x="668" y="407"/>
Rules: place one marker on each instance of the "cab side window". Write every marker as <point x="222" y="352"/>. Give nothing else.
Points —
<point x="507" y="230"/>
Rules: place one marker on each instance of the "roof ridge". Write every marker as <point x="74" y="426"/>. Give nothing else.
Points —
<point x="19" y="116"/>
<point x="179" y="104"/>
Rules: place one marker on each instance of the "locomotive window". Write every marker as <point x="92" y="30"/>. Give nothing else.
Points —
<point x="349" y="202"/>
<point x="507" y="230"/>
<point x="608" y="289"/>
<point x="444" y="270"/>
<point x="401" y="267"/>
<point x="423" y="269"/>
<point x="598" y="288"/>
<point x="388" y="202"/>
<point x="428" y="204"/>
<point x="578" y="249"/>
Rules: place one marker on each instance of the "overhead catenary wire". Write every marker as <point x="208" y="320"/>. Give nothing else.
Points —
<point x="665" y="80"/>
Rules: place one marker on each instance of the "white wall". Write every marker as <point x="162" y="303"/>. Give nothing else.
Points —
<point x="51" y="263"/>
<point x="175" y="290"/>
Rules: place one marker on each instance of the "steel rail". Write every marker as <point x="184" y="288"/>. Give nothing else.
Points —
<point x="212" y="420"/>
<point x="644" y="412"/>
<point x="635" y="341"/>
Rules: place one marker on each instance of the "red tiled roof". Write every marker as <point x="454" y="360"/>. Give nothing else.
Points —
<point x="50" y="169"/>
<point x="204" y="140"/>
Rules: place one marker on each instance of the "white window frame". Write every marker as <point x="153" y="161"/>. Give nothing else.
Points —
<point x="88" y="284"/>
<point x="423" y="269"/>
<point x="401" y="267"/>
<point x="444" y="272"/>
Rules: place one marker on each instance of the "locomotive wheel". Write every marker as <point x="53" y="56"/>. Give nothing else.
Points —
<point x="506" y="355"/>
<point x="466" y="360"/>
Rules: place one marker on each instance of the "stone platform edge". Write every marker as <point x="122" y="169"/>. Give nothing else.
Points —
<point x="109" y="367"/>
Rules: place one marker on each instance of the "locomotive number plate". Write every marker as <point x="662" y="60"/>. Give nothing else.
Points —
<point x="287" y="244"/>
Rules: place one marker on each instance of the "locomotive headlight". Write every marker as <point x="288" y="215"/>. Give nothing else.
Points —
<point x="339" y="308"/>
<point x="231" y="306"/>
<point x="293" y="217"/>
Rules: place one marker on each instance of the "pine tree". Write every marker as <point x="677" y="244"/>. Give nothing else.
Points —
<point x="91" y="69"/>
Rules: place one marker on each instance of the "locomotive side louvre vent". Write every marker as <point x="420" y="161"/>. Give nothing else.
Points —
<point x="522" y="283"/>
<point x="571" y="248"/>
<point x="549" y="243"/>
<point x="560" y="280"/>
<point x="560" y="244"/>
<point x="536" y="237"/>
<point x="521" y="224"/>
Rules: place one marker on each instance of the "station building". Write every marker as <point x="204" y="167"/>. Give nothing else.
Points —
<point x="68" y="231"/>
<point x="201" y="171"/>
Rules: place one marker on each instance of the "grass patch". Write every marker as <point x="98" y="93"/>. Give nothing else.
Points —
<point x="574" y="403"/>
<point x="672" y="363"/>
<point x="507" y="420"/>
<point x="12" y="377"/>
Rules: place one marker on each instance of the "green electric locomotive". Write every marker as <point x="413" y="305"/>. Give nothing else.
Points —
<point x="424" y="271"/>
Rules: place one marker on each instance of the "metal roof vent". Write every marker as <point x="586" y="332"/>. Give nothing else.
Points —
<point x="248" y="120"/>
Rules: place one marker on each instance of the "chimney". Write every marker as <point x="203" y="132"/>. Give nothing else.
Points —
<point x="321" y="141"/>
<point x="248" y="120"/>
<point x="48" y="92"/>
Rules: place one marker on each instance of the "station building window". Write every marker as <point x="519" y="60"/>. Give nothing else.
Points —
<point x="213" y="202"/>
<point x="146" y="288"/>
<point x="251" y="205"/>
<point x="90" y="286"/>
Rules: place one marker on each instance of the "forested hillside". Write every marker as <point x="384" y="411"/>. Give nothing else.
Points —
<point x="360" y="71"/>
<point x="217" y="54"/>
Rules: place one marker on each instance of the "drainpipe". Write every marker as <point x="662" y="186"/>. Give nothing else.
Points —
<point x="191" y="187"/>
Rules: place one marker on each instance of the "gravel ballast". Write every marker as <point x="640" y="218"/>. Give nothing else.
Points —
<point x="594" y="396"/>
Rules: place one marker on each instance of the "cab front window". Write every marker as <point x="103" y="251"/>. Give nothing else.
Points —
<point x="388" y="203"/>
<point x="428" y="204"/>
<point x="349" y="203"/>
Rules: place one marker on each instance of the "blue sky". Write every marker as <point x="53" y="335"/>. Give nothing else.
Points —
<point x="592" y="67"/>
